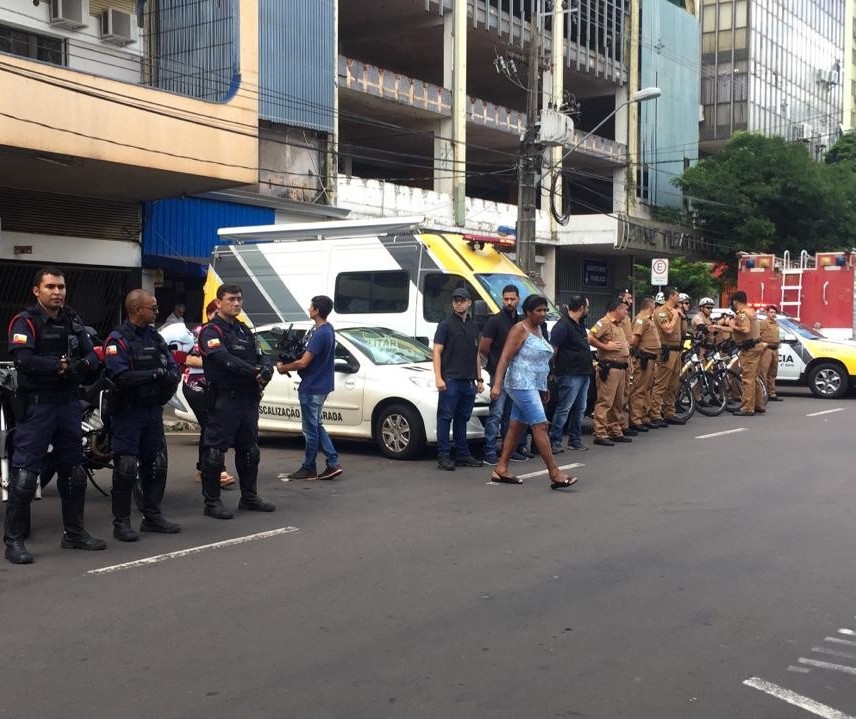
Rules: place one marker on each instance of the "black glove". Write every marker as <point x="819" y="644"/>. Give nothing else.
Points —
<point x="266" y="373"/>
<point x="77" y="369"/>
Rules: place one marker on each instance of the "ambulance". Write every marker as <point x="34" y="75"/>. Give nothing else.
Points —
<point x="391" y="272"/>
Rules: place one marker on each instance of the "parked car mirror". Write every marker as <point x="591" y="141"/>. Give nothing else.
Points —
<point x="346" y="366"/>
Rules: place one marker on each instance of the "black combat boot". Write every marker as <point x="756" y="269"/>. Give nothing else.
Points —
<point x="72" y="491"/>
<point x="124" y="476"/>
<point x="212" y="466"/>
<point x="247" y="465"/>
<point x="153" y="484"/>
<point x="22" y="489"/>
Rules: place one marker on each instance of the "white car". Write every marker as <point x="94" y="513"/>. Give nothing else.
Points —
<point x="384" y="392"/>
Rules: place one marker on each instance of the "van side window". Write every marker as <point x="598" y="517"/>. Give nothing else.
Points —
<point x="371" y="292"/>
<point x="437" y="290"/>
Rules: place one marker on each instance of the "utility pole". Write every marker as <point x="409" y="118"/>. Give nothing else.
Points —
<point x="529" y="164"/>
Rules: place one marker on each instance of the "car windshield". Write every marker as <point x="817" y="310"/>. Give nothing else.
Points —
<point x="387" y="347"/>
<point x="494" y="282"/>
<point x="800" y="329"/>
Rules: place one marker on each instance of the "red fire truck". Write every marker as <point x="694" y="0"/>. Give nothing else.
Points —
<point x="815" y="290"/>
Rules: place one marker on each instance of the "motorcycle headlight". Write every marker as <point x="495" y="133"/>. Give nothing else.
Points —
<point x="424" y="382"/>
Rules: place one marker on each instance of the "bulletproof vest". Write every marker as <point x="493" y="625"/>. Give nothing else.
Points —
<point x="55" y="339"/>
<point x="147" y="354"/>
<point x="240" y="343"/>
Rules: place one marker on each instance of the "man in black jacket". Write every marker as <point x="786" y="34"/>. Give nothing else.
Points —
<point x="572" y="368"/>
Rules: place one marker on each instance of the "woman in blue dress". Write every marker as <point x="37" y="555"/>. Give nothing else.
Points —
<point x="522" y="371"/>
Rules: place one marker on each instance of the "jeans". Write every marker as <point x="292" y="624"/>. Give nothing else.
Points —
<point x="454" y="409"/>
<point x="573" y="395"/>
<point x="311" y="406"/>
<point x="496" y="423"/>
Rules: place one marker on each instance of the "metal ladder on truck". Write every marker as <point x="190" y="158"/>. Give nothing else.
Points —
<point x="792" y="284"/>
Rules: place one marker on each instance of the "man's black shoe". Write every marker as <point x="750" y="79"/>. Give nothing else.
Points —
<point x="17" y="553"/>
<point x="444" y="461"/>
<point x="468" y="461"/>
<point x="216" y="510"/>
<point x="122" y="530"/>
<point x="741" y="413"/>
<point x="674" y="420"/>
<point x="82" y="540"/>
<point x="639" y="428"/>
<point x="160" y="525"/>
<point x="760" y="411"/>
<point x="775" y="399"/>
<point x="659" y="424"/>
<point x="630" y="432"/>
<point x="603" y="442"/>
<point x="621" y="439"/>
<point x="255" y="504"/>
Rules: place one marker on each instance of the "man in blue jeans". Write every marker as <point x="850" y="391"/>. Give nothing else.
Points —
<point x="572" y="368"/>
<point x="457" y="374"/>
<point x="315" y="368"/>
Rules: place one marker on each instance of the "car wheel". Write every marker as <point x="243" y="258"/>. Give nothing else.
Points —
<point x="828" y="381"/>
<point x="400" y="433"/>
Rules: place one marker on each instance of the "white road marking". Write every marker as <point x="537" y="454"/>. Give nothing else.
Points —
<point x="843" y="668"/>
<point x="833" y="652"/>
<point x="799" y="670"/>
<point x="544" y="471"/>
<point x="797" y="700"/>
<point x="193" y="550"/>
<point x="720" y="434"/>
<point x="837" y="640"/>
<point x="826" y="411"/>
<point x="847" y="632"/>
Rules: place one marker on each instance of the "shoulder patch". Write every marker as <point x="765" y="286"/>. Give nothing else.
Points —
<point x="213" y="342"/>
<point x="594" y="329"/>
<point x="18" y="339"/>
<point x="640" y="322"/>
<point x="112" y="350"/>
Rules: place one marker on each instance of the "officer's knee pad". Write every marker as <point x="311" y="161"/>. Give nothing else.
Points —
<point x="161" y="461"/>
<point x="71" y="484"/>
<point x="254" y="454"/>
<point x="125" y="469"/>
<point x="23" y="483"/>
<point x="213" y="458"/>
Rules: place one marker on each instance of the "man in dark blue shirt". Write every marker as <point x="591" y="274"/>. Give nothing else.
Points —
<point x="315" y="367"/>
<point x="572" y="368"/>
<point x="141" y="366"/>
<point x="457" y="374"/>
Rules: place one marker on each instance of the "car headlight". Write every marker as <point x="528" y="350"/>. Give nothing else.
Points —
<point x="424" y="382"/>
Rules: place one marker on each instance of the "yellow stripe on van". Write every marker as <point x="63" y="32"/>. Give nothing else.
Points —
<point x="456" y="256"/>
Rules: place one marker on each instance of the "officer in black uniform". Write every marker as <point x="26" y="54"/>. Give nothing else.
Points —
<point x="53" y="354"/>
<point x="145" y="375"/>
<point x="236" y="372"/>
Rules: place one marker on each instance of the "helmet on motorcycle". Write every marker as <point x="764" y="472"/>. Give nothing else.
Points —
<point x="683" y="297"/>
<point x="660" y="299"/>
<point x="706" y="302"/>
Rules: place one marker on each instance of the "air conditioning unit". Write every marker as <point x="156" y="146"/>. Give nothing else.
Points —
<point x="802" y="132"/>
<point x="116" y="26"/>
<point x="69" y="14"/>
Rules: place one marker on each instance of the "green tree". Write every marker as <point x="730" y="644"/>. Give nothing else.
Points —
<point x="763" y="194"/>
<point x="697" y="279"/>
<point x="843" y="151"/>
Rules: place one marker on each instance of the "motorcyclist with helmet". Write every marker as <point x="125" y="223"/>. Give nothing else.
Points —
<point x="145" y="375"/>
<point x="53" y="355"/>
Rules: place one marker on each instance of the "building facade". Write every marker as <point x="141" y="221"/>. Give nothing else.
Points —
<point x="774" y="67"/>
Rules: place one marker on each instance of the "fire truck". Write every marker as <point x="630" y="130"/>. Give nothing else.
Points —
<point x="814" y="290"/>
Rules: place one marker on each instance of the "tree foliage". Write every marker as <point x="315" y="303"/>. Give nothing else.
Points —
<point x="697" y="279"/>
<point x="763" y="194"/>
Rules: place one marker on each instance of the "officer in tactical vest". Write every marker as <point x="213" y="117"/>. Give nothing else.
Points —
<point x="53" y="354"/>
<point x="236" y="372"/>
<point x="145" y="376"/>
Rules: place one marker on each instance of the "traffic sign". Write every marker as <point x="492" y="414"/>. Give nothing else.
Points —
<point x="659" y="271"/>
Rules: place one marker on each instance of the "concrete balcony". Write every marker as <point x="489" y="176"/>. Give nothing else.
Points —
<point x="73" y="133"/>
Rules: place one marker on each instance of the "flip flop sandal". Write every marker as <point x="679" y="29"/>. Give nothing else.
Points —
<point x="564" y="484"/>
<point x="504" y="478"/>
<point x="226" y="481"/>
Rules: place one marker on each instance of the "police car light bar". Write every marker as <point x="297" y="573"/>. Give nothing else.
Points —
<point x="501" y="244"/>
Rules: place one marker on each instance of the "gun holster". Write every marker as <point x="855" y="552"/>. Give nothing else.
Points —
<point x="603" y="368"/>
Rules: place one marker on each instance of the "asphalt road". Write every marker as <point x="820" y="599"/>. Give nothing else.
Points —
<point x="678" y="568"/>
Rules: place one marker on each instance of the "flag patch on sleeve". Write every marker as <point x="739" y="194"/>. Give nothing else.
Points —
<point x="112" y="350"/>
<point x="18" y="339"/>
<point x="213" y="342"/>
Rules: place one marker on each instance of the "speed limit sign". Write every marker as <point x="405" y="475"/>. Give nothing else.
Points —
<point x="660" y="271"/>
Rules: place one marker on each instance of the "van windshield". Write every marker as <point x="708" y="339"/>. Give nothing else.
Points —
<point x="494" y="282"/>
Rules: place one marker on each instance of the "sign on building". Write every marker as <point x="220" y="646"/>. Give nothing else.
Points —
<point x="659" y="271"/>
<point x="595" y="274"/>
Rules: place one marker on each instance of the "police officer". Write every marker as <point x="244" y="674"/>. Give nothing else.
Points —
<point x="644" y="349"/>
<point x="626" y="296"/>
<point x="52" y="354"/>
<point x="747" y="334"/>
<point x="613" y="353"/>
<point x="236" y="372"/>
<point x="769" y="366"/>
<point x="145" y="375"/>
<point x="667" y="372"/>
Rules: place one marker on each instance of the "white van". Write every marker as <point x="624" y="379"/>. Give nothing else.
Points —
<point x="386" y="273"/>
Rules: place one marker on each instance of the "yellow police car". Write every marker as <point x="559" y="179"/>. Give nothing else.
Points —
<point x="806" y="357"/>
